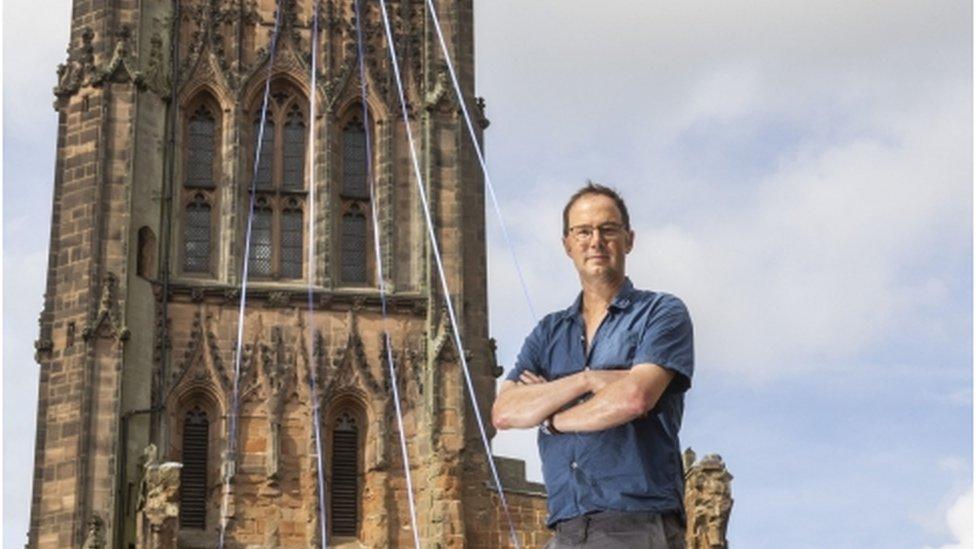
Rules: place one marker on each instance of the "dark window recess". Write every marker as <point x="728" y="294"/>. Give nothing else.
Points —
<point x="267" y="153"/>
<point x="291" y="242"/>
<point x="259" y="259"/>
<point x="354" y="247"/>
<point x="293" y="150"/>
<point x="345" y="477"/>
<point x="200" y="144"/>
<point x="146" y="258"/>
<point x="354" y="184"/>
<point x="196" y="250"/>
<point x="193" y="476"/>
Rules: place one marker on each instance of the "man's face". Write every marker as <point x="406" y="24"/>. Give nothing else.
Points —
<point x="597" y="254"/>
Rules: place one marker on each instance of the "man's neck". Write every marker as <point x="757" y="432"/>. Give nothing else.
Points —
<point x="597" y="294"/>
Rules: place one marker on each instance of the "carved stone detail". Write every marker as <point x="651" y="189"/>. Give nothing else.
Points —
<point x="95" y="535"/>
<point x="156" y="74"/>
<point x="202" y="356"/>
<point x="79" y="68"/>
<point x="159" y="506"/>
<point x="109" y="312"/>
<point x="278" y="368"/>
<point x="708" y="501"/>
<point x="122" y="66"/>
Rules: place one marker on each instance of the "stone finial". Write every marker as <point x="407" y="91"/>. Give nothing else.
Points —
<point x="708" y="501"/>
<point x="159" y="507"/>
<point x="688" y="459"/>
<point x="95" y="536"/>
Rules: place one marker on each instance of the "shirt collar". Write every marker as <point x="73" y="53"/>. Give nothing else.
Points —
<point x="620" y="301"/>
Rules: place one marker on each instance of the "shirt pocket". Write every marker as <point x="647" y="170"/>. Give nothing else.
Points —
<point x="618" y="351"/>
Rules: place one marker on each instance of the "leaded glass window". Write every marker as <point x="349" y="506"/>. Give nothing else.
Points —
<point x="265" y="167"/>
<point x="354" y="247"/>
<point x="354" y="184"/>
<point x="277" y="234"/>
<point x="291" y="241"/>
<point x="259" y="259"/>
<point x="200" y="145"/>
<point x="196" y="236"/>
<point x="293" y="150"/>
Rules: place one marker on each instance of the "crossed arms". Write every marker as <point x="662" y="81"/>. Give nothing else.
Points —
<point x="619" y="396"/>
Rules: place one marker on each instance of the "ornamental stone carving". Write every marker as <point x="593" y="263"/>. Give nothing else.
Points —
<point x="159" y="507"/>
<point x="708" y="501"/>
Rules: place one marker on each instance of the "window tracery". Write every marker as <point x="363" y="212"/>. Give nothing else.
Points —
<point x="200" y="161"/>
<point x="354" y="203"/>
<point x="277" y="231"/>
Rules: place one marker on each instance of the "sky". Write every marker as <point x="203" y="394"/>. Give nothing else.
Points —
<point x="799" y="173"/>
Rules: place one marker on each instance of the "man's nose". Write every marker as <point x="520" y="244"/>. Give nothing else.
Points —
<point x="597" y="239"/>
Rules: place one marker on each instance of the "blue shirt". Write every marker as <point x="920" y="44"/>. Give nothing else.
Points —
<point x="635" y="466"/>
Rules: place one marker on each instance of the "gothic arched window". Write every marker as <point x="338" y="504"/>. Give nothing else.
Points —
<point x="200" y="168"/>
<point x="354" y="193"/>
<point x="345" y="476"/>
<point x="193" y="475"/>
<point x="277" y="238"/>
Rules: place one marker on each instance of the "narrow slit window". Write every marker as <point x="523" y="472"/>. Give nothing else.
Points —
<point x="193" y="475"/>
<point x="345" y="477"/>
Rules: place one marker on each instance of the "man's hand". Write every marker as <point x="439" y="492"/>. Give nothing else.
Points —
<point x="524" y="404"/>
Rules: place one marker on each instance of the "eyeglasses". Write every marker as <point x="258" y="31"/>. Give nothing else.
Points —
<point x="609" y="231"/>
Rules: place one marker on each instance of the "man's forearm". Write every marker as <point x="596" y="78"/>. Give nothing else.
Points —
<point x="619" y="402"/>
<point x="524" y="406"/>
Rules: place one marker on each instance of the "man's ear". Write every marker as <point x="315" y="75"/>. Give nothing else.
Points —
<point x="567" y="247"/>
<point x="630" y="240"/>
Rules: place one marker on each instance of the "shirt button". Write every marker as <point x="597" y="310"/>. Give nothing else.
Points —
<point x="572" y="465"/>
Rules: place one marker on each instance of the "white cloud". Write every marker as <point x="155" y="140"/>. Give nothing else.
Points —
<point x="853" y="175"/>
<point x="959" y="519"/>
<point x="829" y="255"/>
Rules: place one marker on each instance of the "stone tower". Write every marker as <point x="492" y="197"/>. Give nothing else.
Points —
<point x="158" y="104"/>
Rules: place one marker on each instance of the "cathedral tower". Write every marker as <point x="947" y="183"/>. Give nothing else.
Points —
<point x="158" y="104"/>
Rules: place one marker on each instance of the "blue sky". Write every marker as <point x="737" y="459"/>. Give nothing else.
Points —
<point x="800" y="174"/>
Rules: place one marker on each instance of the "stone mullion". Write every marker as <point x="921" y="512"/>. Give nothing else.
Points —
<point x="234" y="158"/>
<point x="330" y="205"/>
<point x="386" y="203"/>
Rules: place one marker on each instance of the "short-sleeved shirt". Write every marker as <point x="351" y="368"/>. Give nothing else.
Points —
<point x="635" y="466"/>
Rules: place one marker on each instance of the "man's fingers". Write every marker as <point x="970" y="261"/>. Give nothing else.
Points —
<point x="529" y="378"/>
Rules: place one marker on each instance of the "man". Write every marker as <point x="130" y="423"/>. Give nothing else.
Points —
<point x="605" y="380"/>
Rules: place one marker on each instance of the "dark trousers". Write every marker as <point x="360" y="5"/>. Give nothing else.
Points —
<point x="620" y="529"/>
